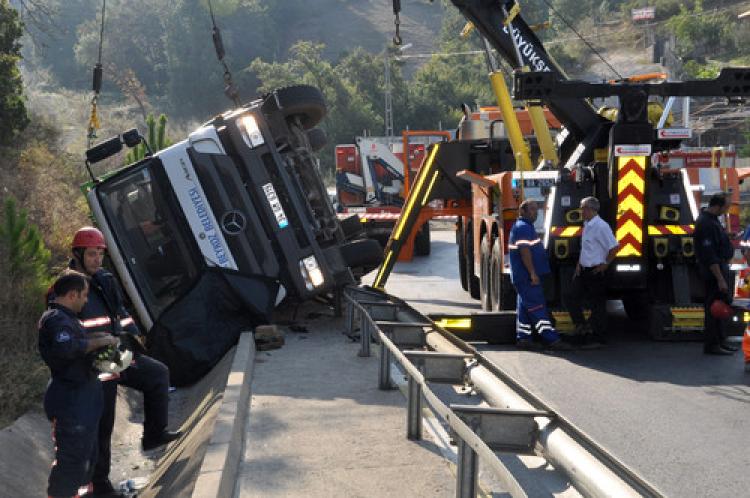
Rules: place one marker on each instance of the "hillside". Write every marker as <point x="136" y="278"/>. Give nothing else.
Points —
<point x="344" y="25"/>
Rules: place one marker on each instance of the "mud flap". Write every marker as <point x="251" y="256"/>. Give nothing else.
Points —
<point x="676" y="323"/>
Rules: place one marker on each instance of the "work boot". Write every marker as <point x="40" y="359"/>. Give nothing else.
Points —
<point x="105" y="489"/>
<point x="717" y="350"/>
<point x="150" y="443"/>
<point x="729" y="346"/>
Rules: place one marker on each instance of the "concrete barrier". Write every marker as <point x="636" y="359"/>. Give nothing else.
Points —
<point x="218" y="473"/>
<point x="202" y="464"/>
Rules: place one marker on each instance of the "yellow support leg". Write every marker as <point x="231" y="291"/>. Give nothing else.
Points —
<point x="543" y="136"/>
<point x="512" y="127"/>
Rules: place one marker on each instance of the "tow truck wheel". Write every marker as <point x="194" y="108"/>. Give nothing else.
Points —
<point x="485" y="286"/>
<point x="496" y="273"/>
<point x="637" y="307"/>
<point x="471" y="279"/>
<point x="317" y="139"/>
<point x="303" y="101"/>
<point x="422" y="241"/>
<point x="501" y="288"/>
<point x="461" y="241"/>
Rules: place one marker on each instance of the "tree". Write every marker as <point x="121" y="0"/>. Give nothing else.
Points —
<point x="349" y="111"/>
<point x="22" y="246"/>
<point x="13" y="117"/>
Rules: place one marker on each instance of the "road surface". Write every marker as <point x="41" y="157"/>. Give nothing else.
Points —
<point x="679" y="418"/>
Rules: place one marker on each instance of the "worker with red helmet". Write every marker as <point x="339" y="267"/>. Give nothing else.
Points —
<point x="714" y="250"/>
<point x="105" y="312"/>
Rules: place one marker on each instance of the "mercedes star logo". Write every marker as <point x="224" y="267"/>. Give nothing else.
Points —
<point x="233" y="222"/>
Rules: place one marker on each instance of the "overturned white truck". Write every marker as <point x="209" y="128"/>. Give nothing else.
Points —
<point x="208" y="235"/>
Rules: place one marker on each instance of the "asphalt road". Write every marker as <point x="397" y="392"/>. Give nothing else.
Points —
<point x="679" y="418"/>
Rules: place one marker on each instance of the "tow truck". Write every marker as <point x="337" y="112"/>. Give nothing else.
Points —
<point x="650" y="208"/>
<point x="208" y="235"/>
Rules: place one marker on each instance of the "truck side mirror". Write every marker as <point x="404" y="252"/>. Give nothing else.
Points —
<point x="104" y="150"/>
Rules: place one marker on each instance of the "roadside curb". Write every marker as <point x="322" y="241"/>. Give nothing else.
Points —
<point x="218" y="472"/>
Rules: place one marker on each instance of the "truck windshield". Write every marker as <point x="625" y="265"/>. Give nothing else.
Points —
<point x="154" y="249"/>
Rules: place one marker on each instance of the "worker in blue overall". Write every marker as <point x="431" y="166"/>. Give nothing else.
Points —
<point x="73" y="400"/>
<point x="528" y="265"/>
<point x="105" y="312"/>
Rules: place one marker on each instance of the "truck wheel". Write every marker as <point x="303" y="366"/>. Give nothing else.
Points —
<point x="637" y="307"/>
<point x="485" y="284"/>
<point x="508" y="295"/>
<point x="496" y="274"/>
<point x="303" y="101"/>
<point x="471" y="280"/>
<point x="317" y="139"/>
<point x="501" y="288"/>
<point x="362" y="253"/>
<point x="461" y="256"/>
<point x="422" y="241"/>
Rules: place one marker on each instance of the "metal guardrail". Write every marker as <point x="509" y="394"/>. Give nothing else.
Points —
<point x="479" y="431"/>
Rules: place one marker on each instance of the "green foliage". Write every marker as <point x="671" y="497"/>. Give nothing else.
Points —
<point x="699" y="32"/>
<point x="156" y="137"/>
<point x="696" y="71"/>
<point x="13" y="118"/>
<point x="349" y="110"/>
<point x="24" y="251"/>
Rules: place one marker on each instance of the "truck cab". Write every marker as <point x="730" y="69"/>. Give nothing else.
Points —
<point x="240" y="203"/>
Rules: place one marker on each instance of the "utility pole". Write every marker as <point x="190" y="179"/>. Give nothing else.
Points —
<point x="388" y="115"/>
<point x="388" y="96"/>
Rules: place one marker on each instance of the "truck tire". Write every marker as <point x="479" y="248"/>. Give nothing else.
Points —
<point x="501" y="289"/>
<point x="485" y="283"/>
<point x="422" y="241"/>
<point x="471" y="279"/>
<point x="303" y="101"/>
<point x="317" y="139"/>
<point x="637" y="307"/>
<point x="362" y="253"/>
<point x="496" y="274"/>
<point x="461" y="242"/>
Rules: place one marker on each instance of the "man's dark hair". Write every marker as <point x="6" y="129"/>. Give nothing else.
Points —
<point x="718" y="200"/>
<point x="70" y="280"/>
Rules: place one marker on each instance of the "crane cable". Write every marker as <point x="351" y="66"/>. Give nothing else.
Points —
<point x="94" y="123"/>
<point x="584" y="40"/>
<point x="230" y="90"/>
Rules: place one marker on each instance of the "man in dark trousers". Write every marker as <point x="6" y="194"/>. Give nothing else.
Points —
<point x="714" y="250"/>
<point x="73" y="400"/>
<point x="105" y="312"/>
<point x="598" y="249"/>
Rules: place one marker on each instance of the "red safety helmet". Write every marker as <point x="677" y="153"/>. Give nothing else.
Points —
<point x="720" y="310"/>
<point x="89" y="237"/>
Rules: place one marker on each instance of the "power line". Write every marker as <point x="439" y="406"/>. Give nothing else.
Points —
<point x="584" y="40"/>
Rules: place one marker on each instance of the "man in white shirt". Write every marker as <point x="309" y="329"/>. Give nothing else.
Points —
<point x="598" y="249"/>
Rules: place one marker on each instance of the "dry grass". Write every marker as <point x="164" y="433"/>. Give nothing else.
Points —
<point x="44" y="171"/>
<point x="23" y="378"/>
